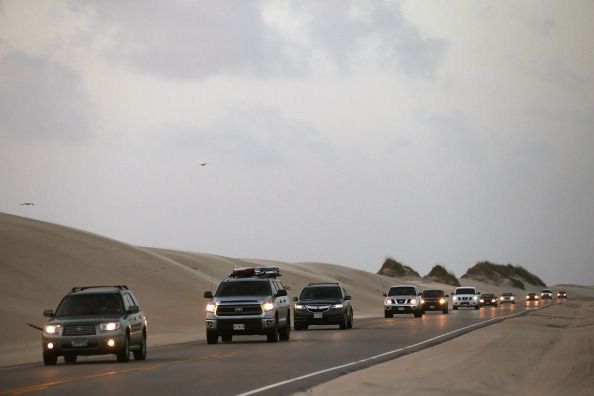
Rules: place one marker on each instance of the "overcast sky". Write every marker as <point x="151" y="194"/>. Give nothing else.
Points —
<point x="433" y="132"/>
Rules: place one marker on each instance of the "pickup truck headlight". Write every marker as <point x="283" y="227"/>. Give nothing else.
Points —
<point x="475" y="298"/>
<point x="513" y="298"/>
<point x="337" y="306"/>
<point x="109" y="326"/>
<point x="52" y="329"/>
<point x="267" y="306"/>
<point x="481" y="300"/>
<point x="211" y="307"/>
<point x="442" y="301"/>
<point x="422" y="301"/>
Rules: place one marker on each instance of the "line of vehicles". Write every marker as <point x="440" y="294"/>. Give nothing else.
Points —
<point x="99" y="320"/>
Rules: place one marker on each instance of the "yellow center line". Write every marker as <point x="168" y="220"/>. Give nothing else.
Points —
<point x="39" y="387"/>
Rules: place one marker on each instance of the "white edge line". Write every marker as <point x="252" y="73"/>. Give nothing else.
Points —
<point x="276" y="385"/>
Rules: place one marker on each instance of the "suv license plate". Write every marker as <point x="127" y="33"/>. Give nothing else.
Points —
<point x="239" y="326"/>
<point x="431" y="306"/>
<point x="79" y="342"/>
<point x="401" y="308"/>
<point x="318" y="316"/>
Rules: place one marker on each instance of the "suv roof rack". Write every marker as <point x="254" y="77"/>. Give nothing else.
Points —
<point x="255" y="272"/>
<point x="119" y="287"/>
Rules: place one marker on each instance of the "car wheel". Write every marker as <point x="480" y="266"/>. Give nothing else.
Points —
<point x="285" y="332"/>
<point x="445" y="311"/>
<point x="212" y="337"/>
<point x="140" y="354"/>
<point x="477" y="307"/>
<point x="418" y="314"/>
<point x="350" y="322"/>
<point x="455" y="308"/>
<point x="70" y="358"/>
<point x="297" y="326"/>
<point x="49" y="359"/>
<point x="124" y="353"/>
<point x="388" y="315"/>
<point x="226" y="337"/>
<point x="273" y="335"/>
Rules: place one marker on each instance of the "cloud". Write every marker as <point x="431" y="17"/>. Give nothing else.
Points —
<point x="40" y="99"/>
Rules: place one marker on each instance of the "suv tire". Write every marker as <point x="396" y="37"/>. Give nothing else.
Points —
<point x="418" y="314"/>
<point x="70" y="358"/>
<point x="477" y="307"/>
<point x="350" y="321"/>
<point x="226" y="337"/>
<point x="273" y="335"/>
<point x="212" y="337"/>
<point x="124" y="353"/>
<point x="388" y="315"/>
<point x="140" y="354"/>
<point x="455" y="308"/>
<point x="345" y="322"/>
<point x="49" y="359"/>
<point x="285" y="332"/>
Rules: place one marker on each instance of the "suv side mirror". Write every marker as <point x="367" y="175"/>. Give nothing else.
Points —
<point x="420" y="294"/>
<point x="295" y="298"/>
<point x="347" y="297"/>
<point x="207" y="294"/>
<point x="48" y="313"/>
<point x="447" y="295"/>
<point x="133" y="309"/>
<point x="282" y="293"/>
<point x="384" y="294"/>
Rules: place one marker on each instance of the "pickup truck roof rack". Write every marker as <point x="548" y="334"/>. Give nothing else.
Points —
<point x="120" y="287"/>
<point x="255" y="272"/>
<point x="323" y="283"/>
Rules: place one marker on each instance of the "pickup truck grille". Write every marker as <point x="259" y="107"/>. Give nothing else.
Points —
<point x="239" y="310"/>
<point x="79" y="330"/>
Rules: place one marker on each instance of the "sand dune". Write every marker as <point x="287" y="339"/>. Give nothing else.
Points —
<point x="40" y="262"/>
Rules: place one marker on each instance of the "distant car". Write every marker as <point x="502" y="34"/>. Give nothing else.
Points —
<point x="546" y="294"/>
<point x="402" y="299"/>
<point x="532" y="297"/>
<point x="323" y="304"/>
<point x="434" y="300"/>
<point x="488" y="299"/>
<point x="466" y="296"/>
<point x="95" y="320"/>
<point x="507" y="298"/>
<point x="561" y="294"/>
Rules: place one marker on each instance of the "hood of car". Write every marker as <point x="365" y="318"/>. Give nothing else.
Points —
<point x="321" y="301"/>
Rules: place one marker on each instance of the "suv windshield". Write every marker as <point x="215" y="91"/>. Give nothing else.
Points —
<point x="320" y="292"/>
<point x="91" y="304"/>
<point x="465" y="291"/>
<point x="244" y="288"/>
<point x="488" y="295"/>
<point x="402" y="291"/>
<point x="432" y="293"/>
<point x="506" y="294"/>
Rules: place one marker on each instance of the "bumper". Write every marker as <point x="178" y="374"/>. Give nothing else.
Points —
<point x="507" y="301"/>
<point x="434" y="306"/>
<point x="332" y="317"/>
<point x="241" y="326"/>
<point x="466" y="303"/>
<point x="401" y="309"/>
<point x="83" y="345"/>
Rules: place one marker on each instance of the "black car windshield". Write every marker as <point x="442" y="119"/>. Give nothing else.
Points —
<point x="465" y="291"/>
<point x="321" y="293"/>
<point x="402" y="291"/>
<point x="488" y="295"/>
<point x="433" y="293"/>
<point x="244" y="288"/>
<point x="506" y="294"/>
<point x="91" y="304"/>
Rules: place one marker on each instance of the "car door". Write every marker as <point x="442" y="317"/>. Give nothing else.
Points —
<point x="282" y="302"/>
<point x="134" y="319"/>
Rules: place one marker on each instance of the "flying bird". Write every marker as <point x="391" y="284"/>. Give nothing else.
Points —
<point x="27" y="204"/>
<point x="203" y="163"/>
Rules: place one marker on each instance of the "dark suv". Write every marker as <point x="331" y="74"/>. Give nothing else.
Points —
<point x="250" y="301"/>
<point x="95" y="320"/>
<point x="434" y="300"/>
<point x="323" y="304"/>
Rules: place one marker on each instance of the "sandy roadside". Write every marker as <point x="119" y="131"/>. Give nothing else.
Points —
<point x="548" y="352"/>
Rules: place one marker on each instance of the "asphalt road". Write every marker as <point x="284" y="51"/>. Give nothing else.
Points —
<point x="249" y="365"/>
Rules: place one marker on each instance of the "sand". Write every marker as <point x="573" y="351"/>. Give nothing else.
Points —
<point x="40" y="262"/>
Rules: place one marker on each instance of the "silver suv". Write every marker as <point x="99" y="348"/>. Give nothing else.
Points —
<point x="250" y="301"/>
<point x="95" y="320"/>
<point x="466" y="296"/>
<point x="402" y="299"/>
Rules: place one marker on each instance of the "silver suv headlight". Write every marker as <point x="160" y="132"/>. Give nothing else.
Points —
<point x="109" y="326"/>
<point x="267" y="306"/>
<point x="211" y="307"/>
<point x="52" y="329"/>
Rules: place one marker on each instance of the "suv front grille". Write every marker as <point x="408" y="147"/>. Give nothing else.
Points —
<point x="317" y="308"/>
<point x="239" y="310"/>
<point x="79" y="330"/>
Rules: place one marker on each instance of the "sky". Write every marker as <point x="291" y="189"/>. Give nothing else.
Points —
<point x="433" y="132"/>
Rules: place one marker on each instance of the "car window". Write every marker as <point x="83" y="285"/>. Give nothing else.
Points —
<point x="128" y="302"/>
<point x="90" y="304"/>
<point x="433" y="293"/>
<point x="244" y="288"/>
<point x="320" y="292"/>
<point x="465" y="291"/>
<point x="402" y="291"/>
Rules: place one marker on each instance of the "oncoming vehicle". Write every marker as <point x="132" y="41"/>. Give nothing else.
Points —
<point x="251" y="301"/>
<point x="532" y="297"/>
<point x="323" y="304"/>
<point x="561" y="294"/>
<point x="546" y="294"/>
<point x="434" y="300"/>
<point x="507" y="298"/>
<point x="466" y="296"/>
<point x="402" y="299"/>
<point x="488" y="299"/>
<point x="95" y="320"/>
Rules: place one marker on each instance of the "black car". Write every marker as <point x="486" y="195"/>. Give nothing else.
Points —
<point x="488" y="299"/>
<point x="434" y="300"/>
<point x="532" y="297"/>
<point x="323" y="304"/>
<point x="561" y="294"/>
